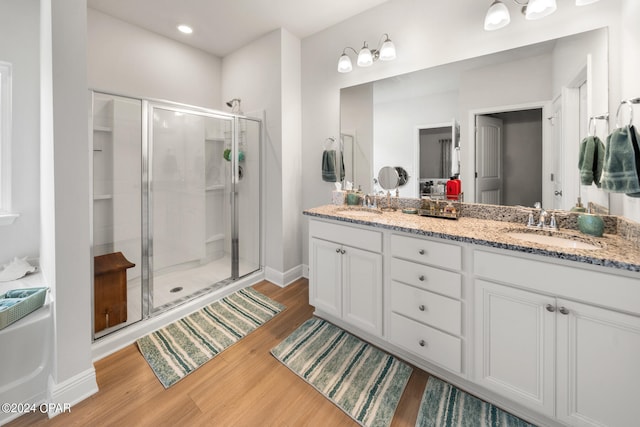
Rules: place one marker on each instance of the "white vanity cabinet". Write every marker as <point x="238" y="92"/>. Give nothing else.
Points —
<point x="345" y="274"/>
<point x="424" y="307"/>
<point x="558" y="339"/>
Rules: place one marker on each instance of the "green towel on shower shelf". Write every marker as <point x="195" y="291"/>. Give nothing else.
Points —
<point x="621" y="162"/>
<point x="591" y="159"/>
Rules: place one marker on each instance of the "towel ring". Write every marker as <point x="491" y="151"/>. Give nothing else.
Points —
<point x="628" y="102"/>
<point x="593" y="121"/>
<point x="328" y="143"/>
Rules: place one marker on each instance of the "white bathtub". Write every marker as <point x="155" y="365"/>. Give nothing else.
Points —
<point x="25" y="352"/>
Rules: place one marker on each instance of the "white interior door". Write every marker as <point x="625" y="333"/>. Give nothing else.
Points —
<point x="489" y="172"/>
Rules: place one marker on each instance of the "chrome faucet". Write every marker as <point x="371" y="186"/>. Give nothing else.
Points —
<point x="543" y="218"/>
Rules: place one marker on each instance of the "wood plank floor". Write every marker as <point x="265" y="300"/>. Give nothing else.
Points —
<point x="243" y="386"/>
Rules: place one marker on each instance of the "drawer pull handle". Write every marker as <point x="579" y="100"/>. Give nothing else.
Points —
<point x="563" y="310"/>
<point x="421" y="307"/>
<point x="421" y="251"/>
<point x="421" y="278"/>
<point x="422" y="343"/>
<point x="550" y="308"/>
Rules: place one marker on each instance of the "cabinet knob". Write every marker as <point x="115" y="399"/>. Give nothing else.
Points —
<point x="343" y="251"/>
<point x="421" y="278"/>
<point x="421" y="307"/>
<point x="563" y="310"/>
<point x="421" y="251"/>
<point x="550" y="308"/>
<point x="337" y="250"/>
<point x="422" y="343"/>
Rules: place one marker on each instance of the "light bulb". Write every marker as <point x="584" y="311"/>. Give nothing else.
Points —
<point x="387" y="50"/>
<point x="365" y="58"/>
<point x="497" y="16"/>
<point x="537" y="9"/>
<point x="344" y="64"/>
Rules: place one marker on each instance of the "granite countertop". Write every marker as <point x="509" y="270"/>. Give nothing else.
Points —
<point x="615" y="251"/>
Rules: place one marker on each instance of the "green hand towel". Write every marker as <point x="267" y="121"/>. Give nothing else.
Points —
<point x="329" y="165"/>
<point x="591" y="160"/>
<point x="621" y="160"/>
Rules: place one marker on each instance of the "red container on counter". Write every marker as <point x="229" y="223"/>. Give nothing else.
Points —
<point x="454" y="187"/>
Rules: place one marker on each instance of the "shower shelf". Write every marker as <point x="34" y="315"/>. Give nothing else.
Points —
<point x="102" y="196"/>
<point x="214" y="139"/>
<point x="217" y="187"/>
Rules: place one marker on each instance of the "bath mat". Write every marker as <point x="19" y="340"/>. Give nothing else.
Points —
<point x="443" y="405"/>
<point x="364" y="382"/>
<point x="180" y="348"/>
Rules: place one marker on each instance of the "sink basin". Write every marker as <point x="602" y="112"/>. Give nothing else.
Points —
<point x="362" y="212"/>
<point x="557" y="241"/>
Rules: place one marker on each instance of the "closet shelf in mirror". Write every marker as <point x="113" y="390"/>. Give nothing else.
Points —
<point x="214" y="139"/>
<point x="217" y="187"/>
<point x="102" y="197"/>
<point x="98" y="128"/>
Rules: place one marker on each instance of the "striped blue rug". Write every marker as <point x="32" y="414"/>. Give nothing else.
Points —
<point x="180" y="348"/>
<point x="443" y="405"/>
<point x="363" y="381"/>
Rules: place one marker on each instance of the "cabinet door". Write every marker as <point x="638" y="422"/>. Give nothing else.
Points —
<point x="598" y="368"/>
<point x="362" y="289"/>
<point x="515" y="351"/>
<point x="325" y="276"/>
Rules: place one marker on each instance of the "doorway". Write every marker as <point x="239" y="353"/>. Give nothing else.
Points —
<point x="509" y="157"/>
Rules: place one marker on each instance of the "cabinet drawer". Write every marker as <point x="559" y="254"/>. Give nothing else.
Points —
<point x="351" y="236"/>
<point x="573" y="282"/>
<point x="427" y="252"/>
<point x="426" y="342"/>
<point x="426" y="307"/>
<point x="428" y="278"/>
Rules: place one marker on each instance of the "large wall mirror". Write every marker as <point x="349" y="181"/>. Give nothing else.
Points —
<point x="521" y="114"/>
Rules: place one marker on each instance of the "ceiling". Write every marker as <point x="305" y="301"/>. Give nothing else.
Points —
<point x="223" y="26"/>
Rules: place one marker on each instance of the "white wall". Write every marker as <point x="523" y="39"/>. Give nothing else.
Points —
<point x="19" y="45"/>
<point x="252" y="74"/>
<point x="291" y="155"/>
<point x="73" y="376"/>
<point x="424" y="37"/>
<point x="128" y="60"/>
<point x="395" y="130"/>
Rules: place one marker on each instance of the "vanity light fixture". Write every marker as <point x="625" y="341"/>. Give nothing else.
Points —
<point x="366" y="57"/>
<point x="498" y="15"/>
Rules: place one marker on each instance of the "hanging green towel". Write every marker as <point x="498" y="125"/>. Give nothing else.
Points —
<point x="591" y="159"/>
<point x="621" y="162"/>
<point x="330" y="167"/>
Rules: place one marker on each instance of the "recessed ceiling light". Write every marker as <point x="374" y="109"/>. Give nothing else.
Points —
<point x="185" y="29"/>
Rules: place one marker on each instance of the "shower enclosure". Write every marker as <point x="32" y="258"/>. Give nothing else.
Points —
<point x="176" y="193"/>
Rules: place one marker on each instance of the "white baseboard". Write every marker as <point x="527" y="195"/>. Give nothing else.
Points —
<point x="283" y="279"/>
<point x="62" y="396"/>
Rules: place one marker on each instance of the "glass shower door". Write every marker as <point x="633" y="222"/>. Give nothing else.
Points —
<point x="189" y="221"/>
<point x="247" y="188"/>
<point x="116" y="232"/>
